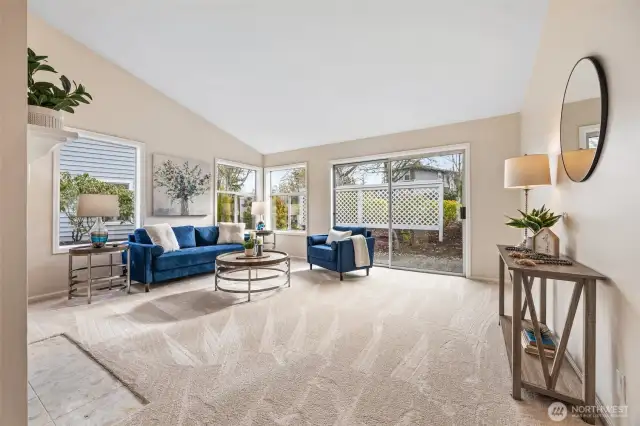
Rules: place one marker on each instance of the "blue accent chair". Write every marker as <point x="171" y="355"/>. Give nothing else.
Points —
<point x="198" y="251"/>
<point x="339" y="255"/>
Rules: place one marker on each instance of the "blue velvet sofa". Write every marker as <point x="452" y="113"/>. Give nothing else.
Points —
<point x="339" y="255"/>
<point x="198" y="251"/>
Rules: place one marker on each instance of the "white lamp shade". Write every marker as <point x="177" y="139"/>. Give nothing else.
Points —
<point x="98" y="205"/>
<point x="527" y="171"/>
<point x="257" y="207"/>
<point x="577" y="163"/>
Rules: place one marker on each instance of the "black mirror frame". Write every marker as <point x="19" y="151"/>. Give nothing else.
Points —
<point x="604" y="114"/>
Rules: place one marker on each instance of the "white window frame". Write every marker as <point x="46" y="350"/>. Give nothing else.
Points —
<point x="444" y="149"/>
<point x="139" y="187"/>
<point x="584" y="132"/>
<point x="268" y="194"/>
<point x="258" y="186"/>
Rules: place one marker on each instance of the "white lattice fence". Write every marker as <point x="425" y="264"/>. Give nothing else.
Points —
<point x="346" y="207"/>
<point x="414" y="206"/>
<point x="303" y="210"/>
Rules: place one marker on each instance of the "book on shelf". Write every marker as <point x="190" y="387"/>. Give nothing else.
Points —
<point x="533" y="350"/>
<point x="547" y="341"/>
<point x="528" y="325"/>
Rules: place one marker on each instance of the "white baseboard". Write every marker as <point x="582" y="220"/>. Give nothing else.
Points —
<point x="485" y="279"/>
<point x="605" y="417"/>
<point x="48" y="296"/>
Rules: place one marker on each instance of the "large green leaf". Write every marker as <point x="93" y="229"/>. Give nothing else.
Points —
<point x="45" y="67"/>
<point x="66" y="84"/>
<point x="43" y="85"/>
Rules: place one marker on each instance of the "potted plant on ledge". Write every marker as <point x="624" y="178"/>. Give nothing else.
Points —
<point x="46" y="100"/>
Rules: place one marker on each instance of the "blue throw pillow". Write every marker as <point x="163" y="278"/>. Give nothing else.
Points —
<point x="206" y="235"/>
<point x="185" y="235"/>
<point x="141" y="236"/>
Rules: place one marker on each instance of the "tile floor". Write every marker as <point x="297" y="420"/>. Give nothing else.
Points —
<point x="67" y="387"/>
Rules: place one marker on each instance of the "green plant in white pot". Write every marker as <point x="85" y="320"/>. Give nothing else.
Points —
<point x="534" y="221"/>
<point x="46" y="100"/>
<point x="249" y="248"/>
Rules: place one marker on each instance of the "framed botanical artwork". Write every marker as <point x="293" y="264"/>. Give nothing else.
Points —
<point x="181" y="187"/>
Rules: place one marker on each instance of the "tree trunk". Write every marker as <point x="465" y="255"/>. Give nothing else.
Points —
<point x="184" y="207"/>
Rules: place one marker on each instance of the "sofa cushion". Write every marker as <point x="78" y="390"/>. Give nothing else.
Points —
<point x="206" y="235"/>
<point x="335" y="235"/>
<point x="185" y="235"/>
<point x="231" y="233"/>
<point x="162" y="235"/>
<point x="192" y="256"/>
<point x="322" y="251"/>
<point x="355" y="230"/>
<point x="141" y="236"/>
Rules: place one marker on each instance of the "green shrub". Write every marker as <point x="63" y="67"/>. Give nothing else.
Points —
<point x="450" y="194"/>
<point x="450" y="212"/>
<point x="70" y="189"/>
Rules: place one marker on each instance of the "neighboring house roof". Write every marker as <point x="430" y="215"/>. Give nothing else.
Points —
<point x="426" y="168"/>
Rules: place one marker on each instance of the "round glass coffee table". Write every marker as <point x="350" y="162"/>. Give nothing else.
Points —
<point x="230" y="264"/>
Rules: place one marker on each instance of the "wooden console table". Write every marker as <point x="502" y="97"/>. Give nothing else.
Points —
<point x="532" y="372"/>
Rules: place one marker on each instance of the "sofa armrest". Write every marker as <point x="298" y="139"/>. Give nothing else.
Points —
<point x="142" y="259"/>
<point x="314" y="240"/>
<point x="346" y="256"/>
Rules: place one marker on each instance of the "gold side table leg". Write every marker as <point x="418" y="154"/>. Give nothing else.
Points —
<point x="70" y="277"/>
<point x="89" y="278"/>
<point x="110" y="270"/>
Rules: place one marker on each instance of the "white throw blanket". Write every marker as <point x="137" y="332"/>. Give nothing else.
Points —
<point x="361" y="251"/>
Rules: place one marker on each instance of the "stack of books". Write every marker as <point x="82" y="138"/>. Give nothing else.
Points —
<point x="529" y="340"/>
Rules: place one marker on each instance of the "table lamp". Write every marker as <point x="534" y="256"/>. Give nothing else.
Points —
<point x="527" y="172"/>
<point x="98" y="206"/>
<point x="257" y="209"/>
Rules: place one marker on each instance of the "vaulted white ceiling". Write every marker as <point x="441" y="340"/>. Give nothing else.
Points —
<point x="287" y="74"/>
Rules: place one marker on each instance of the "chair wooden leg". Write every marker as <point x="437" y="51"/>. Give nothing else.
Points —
<point x="341" y="276"/>
<point x="310" y="266"/>
<point x="146" y="288"/>
<point x="367" y="271"/>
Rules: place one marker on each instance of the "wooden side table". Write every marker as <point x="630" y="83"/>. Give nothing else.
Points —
<point x="532" y="372"/>
<point x="123" y="280"/>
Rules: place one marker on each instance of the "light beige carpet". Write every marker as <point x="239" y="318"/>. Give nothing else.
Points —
<point x="395" y="348"/>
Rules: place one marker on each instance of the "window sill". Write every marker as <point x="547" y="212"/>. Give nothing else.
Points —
<point x="297" y="233"/>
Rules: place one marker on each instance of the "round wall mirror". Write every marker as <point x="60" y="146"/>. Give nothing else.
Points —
<point x="583" y="122"/>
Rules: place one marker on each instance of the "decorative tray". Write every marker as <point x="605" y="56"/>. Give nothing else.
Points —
<point x="242" y="256"/>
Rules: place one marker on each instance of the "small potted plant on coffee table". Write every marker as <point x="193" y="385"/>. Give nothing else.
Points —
<point x="249" y="247"/>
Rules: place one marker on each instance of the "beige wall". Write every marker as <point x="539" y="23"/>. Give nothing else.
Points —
<point x="600" y="230"/>
<point x="492" y="141"/>
<point x="13" y="207"/>
<point x="576" y="115"/>
<point x="125" y="107"/>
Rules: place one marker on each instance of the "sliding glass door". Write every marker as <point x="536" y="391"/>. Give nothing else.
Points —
<point x="424" y="198"/>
